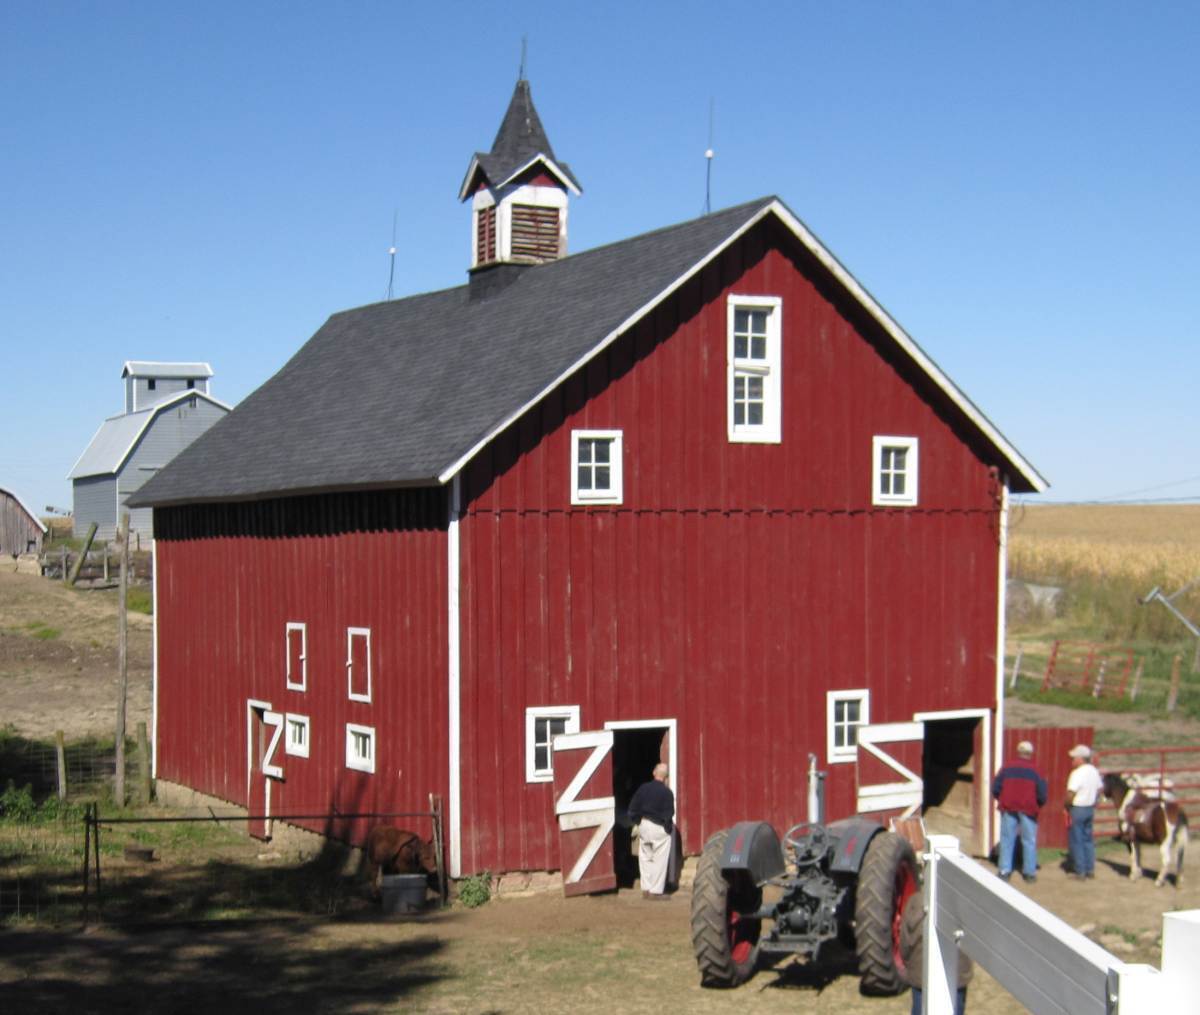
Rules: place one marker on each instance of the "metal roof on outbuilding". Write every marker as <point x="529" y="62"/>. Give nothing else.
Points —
<point x="182" y="371"/>
<point x="117" y="436"/>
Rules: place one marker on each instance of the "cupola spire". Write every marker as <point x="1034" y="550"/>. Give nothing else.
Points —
<point x="519" y="191"/>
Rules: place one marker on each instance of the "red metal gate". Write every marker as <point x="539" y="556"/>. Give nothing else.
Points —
<point x="1050" y="747"/>
<point x="1175" y="769"/>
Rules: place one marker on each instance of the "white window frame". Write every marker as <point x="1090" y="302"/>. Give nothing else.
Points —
<point x="911" y="445"/>
<point x="360" y="762"/>
<point x="568" y="712"/>
<point x="290" y="744"/>
<point x="615" y="493"/>
<point x="770" y="369"/>
<point x="302" y="683"/>
<point x="840" y="754"/>
<point x="351" y="634"/>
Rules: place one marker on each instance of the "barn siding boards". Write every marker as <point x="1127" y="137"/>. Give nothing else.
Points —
<point x="21" y="531"/>
<point x="96" y="501"/>
<point x="737" y="582"/>
<point x="332" y="562"/>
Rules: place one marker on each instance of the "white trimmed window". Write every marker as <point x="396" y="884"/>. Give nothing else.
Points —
<point x="596" y="467"/>
<point x="542" y="725"/>
<point x="296" y="735"/>
<point x="755" y="363"/>
<point x="845" y="712"/>
<point x="358" y="663"/>
<point x="360" y="747"/>
<point x="296" y="647"/>
<point x="894" y="470"/>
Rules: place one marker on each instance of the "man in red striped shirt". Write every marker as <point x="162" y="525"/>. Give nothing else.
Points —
<point x="1020" y="792"/>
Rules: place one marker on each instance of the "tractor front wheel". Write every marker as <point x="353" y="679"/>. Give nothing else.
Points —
<point x="886" y="882"/>
<point x="725" y="941"/>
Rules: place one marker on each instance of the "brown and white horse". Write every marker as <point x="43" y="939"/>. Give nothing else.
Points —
<point x="1148" y="813"/>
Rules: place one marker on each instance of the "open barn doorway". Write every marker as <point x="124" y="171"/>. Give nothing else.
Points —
<point x="954" y="773"/>
<point x="637" y="748"/>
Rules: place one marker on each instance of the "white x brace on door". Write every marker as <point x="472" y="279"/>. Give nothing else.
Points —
<point x="586" y="810"/>
<point x="889" y="780"/>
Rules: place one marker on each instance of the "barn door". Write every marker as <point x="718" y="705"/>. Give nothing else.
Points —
<point x="889" y="769"/>
<point x="585" y="808"/>
<point x="263" y="751"/>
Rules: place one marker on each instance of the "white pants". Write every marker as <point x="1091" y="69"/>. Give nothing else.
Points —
<point x="654" y="850"/>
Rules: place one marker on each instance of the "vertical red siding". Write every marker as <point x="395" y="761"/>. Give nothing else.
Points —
<point x="737" y="582"/>
<point x="227" y="589"/>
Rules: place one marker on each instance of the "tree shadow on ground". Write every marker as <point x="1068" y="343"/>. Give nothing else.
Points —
<point x="222" y="966"/>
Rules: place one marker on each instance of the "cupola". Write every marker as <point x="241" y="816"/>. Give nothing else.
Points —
<point x="518" y="193"/>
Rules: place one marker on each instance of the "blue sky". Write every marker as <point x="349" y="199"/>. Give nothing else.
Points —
<point x="1016" y="182"/>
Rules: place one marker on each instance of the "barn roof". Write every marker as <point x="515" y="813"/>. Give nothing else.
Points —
<point x="118" y="435"/>
<point x="24" y="507"/>
<point x="406" y="392"/>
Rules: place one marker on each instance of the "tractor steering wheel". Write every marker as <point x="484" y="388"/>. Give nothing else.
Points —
<point x="808" y="842"/>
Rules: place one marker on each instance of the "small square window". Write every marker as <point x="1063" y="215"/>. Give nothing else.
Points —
<point x="296" y="646"/>
<point x="596" y="460"/>
<point x="151" y="384"/>
<point x="894" y="470"/>
<point x="755" y="356"/>
<point x="297" y="735"/>
<point x="360" y="747"/>
<point x="191" y="385"/>
<point x="845" y="712"/>
<point x="542" y="725"/>
<point x="358" y="663"/>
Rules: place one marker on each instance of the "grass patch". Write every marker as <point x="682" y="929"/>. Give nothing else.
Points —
<point x="42" y="631"/>
<point x="140" y="599"/>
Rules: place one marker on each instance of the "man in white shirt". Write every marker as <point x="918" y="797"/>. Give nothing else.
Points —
<point x="1084" y="786"/>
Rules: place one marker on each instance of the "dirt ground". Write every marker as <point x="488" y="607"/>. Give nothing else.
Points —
<point x="67" y="681"/>
<point x="541" y="953"/>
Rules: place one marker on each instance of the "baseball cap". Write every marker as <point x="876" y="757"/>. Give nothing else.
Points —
<point x="1080" y="751"/>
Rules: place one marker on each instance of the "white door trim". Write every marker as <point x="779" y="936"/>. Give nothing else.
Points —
<point x="890" y="795"/>
<point x="985" y="763"/>
<point x="671" y="725"/>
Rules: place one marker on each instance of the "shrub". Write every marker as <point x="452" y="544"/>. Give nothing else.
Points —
<point x="475" y="889"/>
<point x="17" y="804"/>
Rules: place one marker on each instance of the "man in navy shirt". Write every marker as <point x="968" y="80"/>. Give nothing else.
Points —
<point x="1020" y="792"/>
<point x="653" y="808"/>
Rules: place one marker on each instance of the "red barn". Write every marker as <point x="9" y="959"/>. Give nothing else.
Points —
<point x="694" y="495"/>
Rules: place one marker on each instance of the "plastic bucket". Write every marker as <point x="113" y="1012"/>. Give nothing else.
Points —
<point x="402" y="893"/>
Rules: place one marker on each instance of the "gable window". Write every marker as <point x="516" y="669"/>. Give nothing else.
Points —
<point x="358" y="663"/>
<point x="845" y="712"/>
<point x="485" y="235"/>
<point x="297" y="656"/>
<point x="191" y="385"/>
<point x="596" y="467"/>
<point x="151" y="383"/>
<point x="542" y="725"/>
<point x="755" y="358"/>
<point x="360" y="747"/>
<point x="296" y="728"/>
<point x="894" y="470"/>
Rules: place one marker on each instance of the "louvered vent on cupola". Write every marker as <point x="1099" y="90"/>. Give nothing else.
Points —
<point x="519" y="193"/>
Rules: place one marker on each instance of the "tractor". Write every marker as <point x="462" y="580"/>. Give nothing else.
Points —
<point x="847" y="880"/>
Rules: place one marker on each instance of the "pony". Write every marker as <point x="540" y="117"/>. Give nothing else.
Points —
<point x="391" y="850"/>
<point x="1148" y="812"/>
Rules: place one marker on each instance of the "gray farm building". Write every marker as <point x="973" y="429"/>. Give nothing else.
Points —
<point x="167" y="406"/>
<point x="21" y="531"/>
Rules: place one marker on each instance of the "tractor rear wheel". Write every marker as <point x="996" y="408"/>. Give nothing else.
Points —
<point x="724" y="941"/>
<point x="886" y="882"/>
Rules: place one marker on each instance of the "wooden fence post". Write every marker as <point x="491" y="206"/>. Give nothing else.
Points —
<point x="1016" y="671"/>
<point x="1137" y="680"/>
<point x="122" y="662"/>
<point x="87" y="545"/>
<point x="143" y="749"/>
<point x="1173" y="694"/>
<point x="61" y="751"/>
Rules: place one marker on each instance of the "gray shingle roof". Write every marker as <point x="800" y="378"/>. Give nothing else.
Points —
<point x="398" y="392"/>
